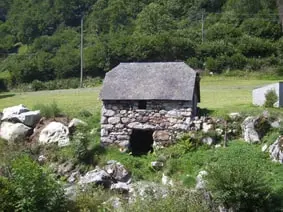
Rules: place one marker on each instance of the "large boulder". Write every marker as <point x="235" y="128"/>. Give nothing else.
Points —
<point x="117" y="171"/>
<point x="15" y="110"/>
<point x="21" y="114"/>
<point x="276" y="150"/>
<point x="97" y="176"/>
<point x="14" y="132"/>
<point x="55" y="132"/>
<point x="249" y="132"/>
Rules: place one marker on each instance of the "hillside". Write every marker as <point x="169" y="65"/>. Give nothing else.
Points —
<point x="41" y="39"/>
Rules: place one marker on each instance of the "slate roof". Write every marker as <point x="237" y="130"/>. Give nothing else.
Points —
<point x="149" y="81"/>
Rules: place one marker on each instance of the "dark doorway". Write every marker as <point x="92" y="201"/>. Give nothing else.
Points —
<point x="141" y="142"/>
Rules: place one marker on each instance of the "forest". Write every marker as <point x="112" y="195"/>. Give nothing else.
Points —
<point x="40" y="39"/>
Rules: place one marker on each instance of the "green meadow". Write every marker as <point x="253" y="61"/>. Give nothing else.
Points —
<point x="218" y="94"/>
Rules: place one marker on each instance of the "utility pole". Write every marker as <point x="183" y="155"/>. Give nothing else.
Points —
<point x="202" y="26"/>
<point x="82" y="44"/>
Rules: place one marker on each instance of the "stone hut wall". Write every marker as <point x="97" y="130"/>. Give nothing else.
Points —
<point x="165" y="118"/>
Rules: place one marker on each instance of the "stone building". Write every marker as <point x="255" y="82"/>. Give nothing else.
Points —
<point x="146" y="104"/>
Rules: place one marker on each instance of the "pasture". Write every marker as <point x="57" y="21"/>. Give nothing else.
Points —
<point x="219" y="95"/>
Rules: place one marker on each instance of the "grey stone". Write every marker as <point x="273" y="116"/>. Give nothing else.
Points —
<point x="161" y="135"/>
<point x="97" y="176"/>
<point x="181" y="127"/>
<point x="108" y="113"/>
<point x="41" y="159"/>
<point x="75" y="176"/>
<point x="125" y="120"/>
<point x="103" y="120"/>
<point x="55" y="132"/>
<point x="249" y="132"/>
<point x="14" y="132"/>
<point x="120" y="187"/>
<point x="75" y="123"/>
<point x="123" y="112"/>
<point x="157" y="164"/>
<point x="15" y="110"/>
<point x="173" y="113"/>
<point x="117" y="171"/>
<point x="186" y="114"/>
<point x="113" y="120"/>
<point x="107" y="126"/>
<point x="201" y="183"/>
<point x="165" y="180"/>
<point x="207" y="140"/>
<point x="123" y="137"/>
<point x="65" y="168"/>
<point x="104" y="133"/>
<point x="119" y="126"/>
<point x="276" y="150"/>
<point x="275" y="124"/>
<point x="206" y="127"/>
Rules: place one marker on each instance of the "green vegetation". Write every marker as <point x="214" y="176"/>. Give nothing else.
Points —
<point x="270" y="98"/>
<point x="27" y="187"/>
<point x="240" y="35"/>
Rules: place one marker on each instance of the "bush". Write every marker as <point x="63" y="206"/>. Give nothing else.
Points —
<point x="237" y="180"/>
<point x="48" y="111"/>
<point x="270" y="98"/>
<point x="37" y="85"/>
<point x="30" y="188"/>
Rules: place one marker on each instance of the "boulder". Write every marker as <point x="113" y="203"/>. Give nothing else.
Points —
<point x="30" y="118"/>
<point x="248" y="128"/>
<point x="117" y="171"/>
<point x="207" y="140"/>
<point x="201" y="183"/>
<point x="55" y="132"/>
<point x="165" y="180"/>
<point x="14" y="132"/>
<point x="276" y="150"/>
<point x="15" y="110"/>
<point x="75" y="123"/>
<point x="97" y="176"/>
<point x="120" y="187"/>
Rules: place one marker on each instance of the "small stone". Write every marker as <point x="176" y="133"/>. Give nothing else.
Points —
<point x="107" y="126"/>
<point x="234" y="116"/>
<point x="104" y="133"/>
<point x="123" y="137"/>
<point x="218" y="146"/>
<point x="103" y="120"/>
<point x="161" y="135"/>
<point x="206" y="127"/>
<point x="123" y="112"/>
<point x="157" y="164"/>
<point x="207" y="140"/>
<point x="113" y="120"/>
<point x="108" y="113"/>
<point x="125" y="120"/>
<point x="120" y="187"/>
<point x="181" y="127"/>
<point x="162" y="112"/>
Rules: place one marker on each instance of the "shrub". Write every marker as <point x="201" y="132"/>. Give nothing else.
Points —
<point x="270" y="98"/>
<point x="30" y="188"/>
<point x="37" y="85"/>
<point x="237" y="180"/>
<point x="48" y="111"/>
<point x="176" y="200"/>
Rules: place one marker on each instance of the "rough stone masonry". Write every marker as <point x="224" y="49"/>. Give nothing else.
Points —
<point x="119" y="118"/>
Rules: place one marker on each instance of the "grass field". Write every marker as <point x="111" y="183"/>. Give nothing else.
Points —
<point x="218" y="94"/>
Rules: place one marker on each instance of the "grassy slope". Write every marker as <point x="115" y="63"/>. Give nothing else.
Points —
<point x="220" y="94"/>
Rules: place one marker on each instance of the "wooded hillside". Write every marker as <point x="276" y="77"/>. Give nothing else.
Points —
<point x="40" y="39"/>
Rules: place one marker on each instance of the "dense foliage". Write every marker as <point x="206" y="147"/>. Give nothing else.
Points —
<point x="40" y="40"/>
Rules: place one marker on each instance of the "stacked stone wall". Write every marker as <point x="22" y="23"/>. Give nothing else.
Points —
<point x="165" y="118"/>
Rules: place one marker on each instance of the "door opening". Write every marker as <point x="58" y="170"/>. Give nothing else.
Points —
<point x="141" y="142"/>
